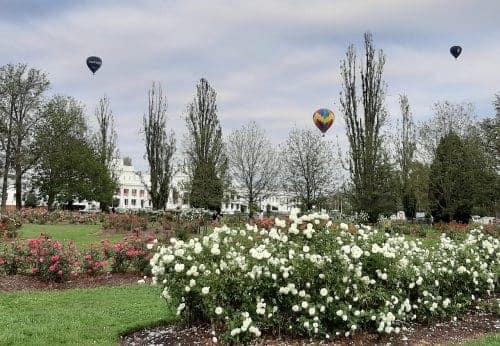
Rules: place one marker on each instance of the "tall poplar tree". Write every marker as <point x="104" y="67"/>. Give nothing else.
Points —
<point x="364" y="116"/>
<point x="160" y="146"/>
<point x="207" y="162"/>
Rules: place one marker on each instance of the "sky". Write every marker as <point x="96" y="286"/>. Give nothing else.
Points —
<point x="273" y="62"/>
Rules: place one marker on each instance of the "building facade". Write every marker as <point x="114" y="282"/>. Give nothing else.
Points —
<point x="132" y="194"/>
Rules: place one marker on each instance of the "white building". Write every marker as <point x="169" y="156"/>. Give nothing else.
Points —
<point x="132" y="194"/>
<point x="11" y="191"/>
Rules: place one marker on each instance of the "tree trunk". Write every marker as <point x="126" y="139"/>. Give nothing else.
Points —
<point x="19" y="187"/>
<point x="50" y="202"/>
<point x="5" y="180"/>
<point x="6" y="168"/>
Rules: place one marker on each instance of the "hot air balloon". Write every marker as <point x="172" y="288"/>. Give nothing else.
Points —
<point x="323" y="119"/>
<point x="94" y="62"/>
<point x="455" y="51"/>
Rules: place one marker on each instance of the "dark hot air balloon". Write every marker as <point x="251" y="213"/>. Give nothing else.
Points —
<point x="94" y="62"/>
<point x="455" y="51"/>
<point x="323" y="118"/>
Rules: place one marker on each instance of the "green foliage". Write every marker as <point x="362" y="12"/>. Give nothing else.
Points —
<point x="160" y="147"/>
<point x="460" y="179"/>
<point x="419" y="185"/>
<point x="69" y="168"/>
<point x="206" y="160"/>
<point x="21" y="95"/>
<point x="31" y="200"/>
<point x="9" y="225"/>
<point x="206" y="188"/>
<point x="312" y="278"/>
<point x="124" y="223"/>
<point x="133" y="254"/>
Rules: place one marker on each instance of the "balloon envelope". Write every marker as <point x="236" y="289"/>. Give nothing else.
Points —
<point x="323" y="119"/>
<point x="94" y="62"/>
<point x="455" y="51"/>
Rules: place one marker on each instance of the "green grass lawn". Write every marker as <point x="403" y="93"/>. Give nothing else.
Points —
<point x="80" y="316"/>
<point x="490" y="340"/>
<point x="82" y="235"/>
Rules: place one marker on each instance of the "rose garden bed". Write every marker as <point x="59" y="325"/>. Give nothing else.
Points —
<point x="310" y="278"/>
<point x="250" y="285"/>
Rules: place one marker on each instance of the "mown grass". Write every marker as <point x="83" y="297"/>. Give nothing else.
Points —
<point x="490" y="340"/>
<point x="82" y="235"/>
<point x="79" y="317"/>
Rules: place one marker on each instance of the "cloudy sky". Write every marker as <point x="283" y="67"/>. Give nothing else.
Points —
<point x="274" y="62"/>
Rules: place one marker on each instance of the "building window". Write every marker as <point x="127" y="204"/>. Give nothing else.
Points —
<point x="134" y="192"/>
<point x="125" y="192"/>
<point x="133" y="202"/>
<point x="142" y="203"/>
<point x="125" y="201"/>
<point x="141" y="193"/>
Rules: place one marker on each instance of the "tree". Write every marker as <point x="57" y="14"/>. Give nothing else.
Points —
<point x="406" y="146"/>
<point x="451" y="184"/>
<point x="160" y="146"/>
<point x="21" y="91"/>
<point x="419" y="177"/>
<point x="68" y="167"/>
<point x="207" y="162"/>
<point x="253" y="163"/>
<point x="307" y="168"/>
<point x="489" y="132"/>
<point x="105" y="140"/>
<point x="448" y="117"/>
<point x="364" y="117"/>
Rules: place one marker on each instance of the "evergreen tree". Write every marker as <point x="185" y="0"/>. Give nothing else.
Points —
<point x="206" y="159"/>
<point x="451" y="182"/>
<point x="160" y="147"/>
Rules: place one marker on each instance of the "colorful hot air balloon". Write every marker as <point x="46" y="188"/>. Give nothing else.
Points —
<point x="455" y="51"/>
<point x="323" y="119"/>
<point x="93" y="63"/>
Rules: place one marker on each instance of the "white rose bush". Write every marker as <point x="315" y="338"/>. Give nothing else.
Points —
<point x="312" y="278"/>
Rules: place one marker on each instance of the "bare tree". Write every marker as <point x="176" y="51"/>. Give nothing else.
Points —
<point x="21" y="91"/>
<point x="253" y="163"/>
<point x="406" y="146"/>
<point x="448" y="117"/>
<point x="160" y="146"/>
<point x="307" y="167"/>
<point x="364" y="116"/>
<point x="105" y="140"/>
<point x="206" y="158"/>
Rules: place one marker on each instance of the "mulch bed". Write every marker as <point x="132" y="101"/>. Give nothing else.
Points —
<point x="473" y="325"/>
<point x="16" y="283"/>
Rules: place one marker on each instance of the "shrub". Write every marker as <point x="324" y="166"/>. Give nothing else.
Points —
<point x="265" y="223"/>
<point x="50" y="261"/>
<point x="133" y="254"/>
<point x="41" y="216"/>
<point x="9" y="226"/>
<point x="316" y="279"/>
<point x="12" y="258"/>
<point x="124" y="223"/>
<point x="93" y="262"/>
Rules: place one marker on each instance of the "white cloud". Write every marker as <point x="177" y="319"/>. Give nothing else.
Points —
<point x="271" y="61"/>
